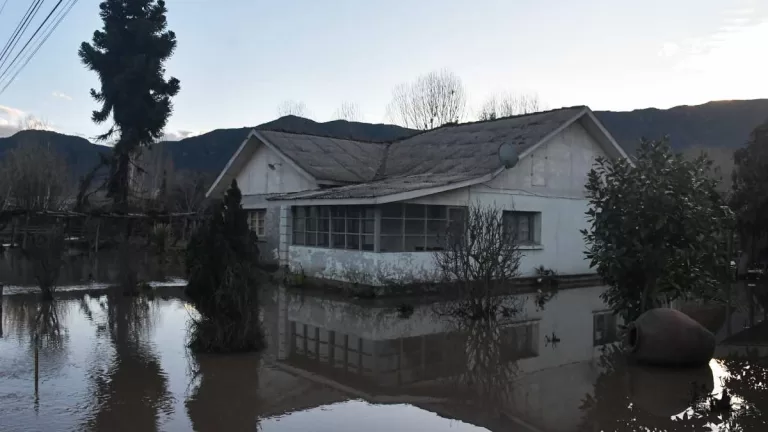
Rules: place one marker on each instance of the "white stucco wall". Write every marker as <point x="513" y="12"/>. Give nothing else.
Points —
<point x="257" y="178"/>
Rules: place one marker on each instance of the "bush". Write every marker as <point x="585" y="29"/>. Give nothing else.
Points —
<point x="222" y="259"/>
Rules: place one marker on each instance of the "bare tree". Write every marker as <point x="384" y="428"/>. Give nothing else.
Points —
<point x="188" y="192"/>
<point x="429" y="102"/>
<point x="30" y="122"/>
<point x="348" y="111"/>
<point x="481" y="258"/>
<point x="34" y="177"/>
<point x="294" y="108"/>
<point x="510" y="104"/>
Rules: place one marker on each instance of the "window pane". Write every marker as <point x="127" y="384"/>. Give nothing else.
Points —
<point x="437" y="212"/>
<point x="414" y="243"/>
<point x="312" y="212"/>
<point x="299" y="212"/>
<point x="298" y="238"/>
<point x="353" y="211"/>
<point x="369" y="226"/>
<point x="457" y="214"/>
<point x="369" y="212"/>
<point x="337" y="211"/>
<point x="311" y="224"/>
<point x="391" y="226"/>
<point x="353" y="241"/>
<point x="391" y="244"/>
<point x="311" y="239"/>
<point x="415" y="211"/>
<point x="368" y="242"/>
<point x="325" y="211"/>
<point x="298" y="225"/>
<point x="353" y="226"/>
<point x="392" y="210"/>
<point x="436" y="227"/>
<point x="339" y="225"/>
<point x="323" y="225"/>
<point x="523" y="229"/>
<point x="322" y="239"/>
<point x="338" y="241"/>
<point x="414" y="227"/>
<point x="434" y="243"/>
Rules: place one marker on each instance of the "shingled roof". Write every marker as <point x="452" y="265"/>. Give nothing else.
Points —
<point x="449" y="155"/>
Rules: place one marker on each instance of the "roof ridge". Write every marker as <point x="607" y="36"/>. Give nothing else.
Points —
<point x="448" y="125"/>
<point x="320" y="135"/>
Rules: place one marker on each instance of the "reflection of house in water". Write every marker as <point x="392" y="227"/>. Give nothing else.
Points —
<point x="374" y="354"/>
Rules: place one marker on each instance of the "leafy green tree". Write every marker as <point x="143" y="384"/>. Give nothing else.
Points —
<point x="223" y="284"/>
<point x="658" y="228"/>
<point x="750" y="189"/>
<point x="129" y="54"/>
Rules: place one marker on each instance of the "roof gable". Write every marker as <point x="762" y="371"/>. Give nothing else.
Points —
<point x="455" y="153"/>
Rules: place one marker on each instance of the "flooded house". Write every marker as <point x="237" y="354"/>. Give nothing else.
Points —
<point x="368" y="212"/>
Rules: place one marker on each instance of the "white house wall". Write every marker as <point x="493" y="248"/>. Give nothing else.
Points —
<point x="550" y="182"/>
<point x="257" y="178"/>
<point x="557" y="169"/>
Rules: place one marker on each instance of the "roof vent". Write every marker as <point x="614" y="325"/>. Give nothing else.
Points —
<point x="508" y="155"/>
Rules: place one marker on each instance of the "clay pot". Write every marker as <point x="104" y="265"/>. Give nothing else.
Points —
<point x="667" y="337"/>
<point x="711" y="316"/>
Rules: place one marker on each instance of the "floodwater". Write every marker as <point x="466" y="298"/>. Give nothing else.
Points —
<point x="108" y="362"/>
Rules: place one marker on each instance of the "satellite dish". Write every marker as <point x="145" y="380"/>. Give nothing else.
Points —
<point x="508" y="155"/>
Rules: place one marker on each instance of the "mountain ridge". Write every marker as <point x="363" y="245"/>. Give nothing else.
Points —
<point x="717" y="126"/>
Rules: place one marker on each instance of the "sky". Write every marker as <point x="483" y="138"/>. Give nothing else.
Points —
<point x="238" y="60"/>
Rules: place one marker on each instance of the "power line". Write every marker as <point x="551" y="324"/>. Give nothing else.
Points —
<point x="54" y="24"/>
<point x="3" y="6"/>
<point x="20" y="29"/>
<point x="21" y="51"/>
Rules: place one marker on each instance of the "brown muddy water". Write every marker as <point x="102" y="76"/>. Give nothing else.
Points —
<point x="109" y="363"/>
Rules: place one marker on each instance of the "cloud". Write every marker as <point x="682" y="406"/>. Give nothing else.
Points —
<point x="13" y="120"/>
<point x="179" y="135"/>
<point x="669" y="49"/>
<point x="60" y="95"/>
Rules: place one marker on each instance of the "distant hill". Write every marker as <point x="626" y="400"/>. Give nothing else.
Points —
<point x="717" y="127"/>
<point x="719" y="124"/>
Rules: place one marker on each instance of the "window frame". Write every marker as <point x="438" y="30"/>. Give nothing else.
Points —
<point x="335" y="217"/>
<point x="533" y="219"/>
<point x="260" y="217"/>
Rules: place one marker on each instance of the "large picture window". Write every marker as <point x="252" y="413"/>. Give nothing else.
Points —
<point x="337" y="227"/>
<point x="415" y="227"/>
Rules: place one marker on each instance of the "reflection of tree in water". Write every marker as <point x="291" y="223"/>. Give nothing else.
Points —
<point x="25" y="315"/>
<point x="227" y="393"/>
<point x="132" y="388"/>
<point x="485" y="328"/>
<point x="628" y="397"/>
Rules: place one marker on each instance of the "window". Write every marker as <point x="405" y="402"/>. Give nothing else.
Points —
<point x="256" y="220"/>
<point x="605" y="329"/>
<point x="337" y="227"/>
<point x="524" y="226"/>
<point x="415" y="227"/>
<point x="520" y="341"/>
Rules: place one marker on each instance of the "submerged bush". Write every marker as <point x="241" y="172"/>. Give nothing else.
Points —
<point x="222" y="259"/>
<point x="46" y="253"/>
